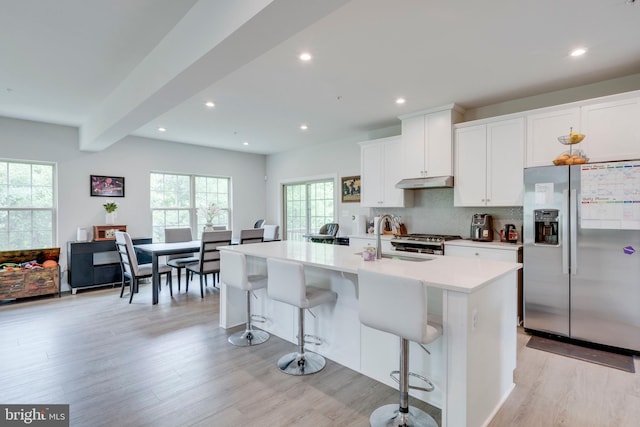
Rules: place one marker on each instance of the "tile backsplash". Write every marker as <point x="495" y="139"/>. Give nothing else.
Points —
<point x="433" y="212"/>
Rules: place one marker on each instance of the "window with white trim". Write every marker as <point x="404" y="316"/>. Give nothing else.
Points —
<point x="175" y="200"/>
<point x="307" y="207"/>
<point x="27" y="205"/>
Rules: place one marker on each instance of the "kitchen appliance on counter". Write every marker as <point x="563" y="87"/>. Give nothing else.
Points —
<point x="580" y="266"/>
<point x="509" y="234"/>
<point x="482" y="228"/>
<point x="432" y="244"/>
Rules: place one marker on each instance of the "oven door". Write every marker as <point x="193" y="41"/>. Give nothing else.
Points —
<point x="420" y="248"/>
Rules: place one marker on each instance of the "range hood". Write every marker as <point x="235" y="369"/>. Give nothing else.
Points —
<point x="430" y="182"/>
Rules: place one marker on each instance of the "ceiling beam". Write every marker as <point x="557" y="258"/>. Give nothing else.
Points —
<point x="213" y="39"/>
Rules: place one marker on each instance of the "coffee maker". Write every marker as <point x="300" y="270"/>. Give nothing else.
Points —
<point x="482" y="227"/>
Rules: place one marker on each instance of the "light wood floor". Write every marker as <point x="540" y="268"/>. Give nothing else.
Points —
<point x="118" y="364"/>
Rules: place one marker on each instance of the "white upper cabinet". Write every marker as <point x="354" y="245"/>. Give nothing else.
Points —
<point x="427" y="142"/>
<point x="381" y="170"/>
<point x="611" y="126"/>
<point x="612" y="130"/>
<point x="489" y="161"/>
<point x="543" y="130"/>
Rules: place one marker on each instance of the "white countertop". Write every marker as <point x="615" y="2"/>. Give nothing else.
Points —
<point x="446" y="272"/>
<point x="491" y="245"/>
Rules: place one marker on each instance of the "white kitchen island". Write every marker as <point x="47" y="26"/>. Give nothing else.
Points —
<point x="471" y="365"/>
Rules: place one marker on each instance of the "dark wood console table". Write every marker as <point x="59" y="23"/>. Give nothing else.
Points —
<point x="93" y="264"/>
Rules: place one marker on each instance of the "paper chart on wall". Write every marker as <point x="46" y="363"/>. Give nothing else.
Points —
<point x="610" y="195"/>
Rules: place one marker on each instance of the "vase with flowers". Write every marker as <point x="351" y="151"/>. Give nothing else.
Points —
<point x="110" y="209"/>
<point x="209" y="213"/>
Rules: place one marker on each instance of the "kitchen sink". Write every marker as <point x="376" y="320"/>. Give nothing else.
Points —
<point x="402" y="258"/>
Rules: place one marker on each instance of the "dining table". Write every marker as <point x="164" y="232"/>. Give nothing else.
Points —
<point x="156" y="250"/>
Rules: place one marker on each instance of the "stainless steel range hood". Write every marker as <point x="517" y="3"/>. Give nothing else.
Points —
<point x="430" y="182"/>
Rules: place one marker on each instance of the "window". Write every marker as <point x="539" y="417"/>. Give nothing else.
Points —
<point x="27" y="205"/>
<point x="307" y="207"/>
<point x="175" y="200"/>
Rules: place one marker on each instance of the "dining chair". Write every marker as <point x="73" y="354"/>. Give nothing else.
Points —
<point x="179" y="261"/>
<point x="209" y="257"/>
<point x="270" y="232"/>
<point x="251" y="235"/>
<point x="330" y="230"/>
<point x="258" y="223"/>
<point x="133" y="271"/>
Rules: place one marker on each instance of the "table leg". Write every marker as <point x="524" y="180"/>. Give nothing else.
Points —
<point x="155" y="278"/>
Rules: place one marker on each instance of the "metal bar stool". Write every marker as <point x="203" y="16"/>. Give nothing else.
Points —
<point x="234" y="274"/>
<point x="404" y="315"/>
<point x="287" y="283"/>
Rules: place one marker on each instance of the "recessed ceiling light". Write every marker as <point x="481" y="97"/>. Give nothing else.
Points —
<point x="209" y="104"/>
<point x="578" y="52"/>
<point x="304" y="127"/>
<point x="400" y="101"/>
<point x="305" y="56"/>
<point x="245" y="143"/>
<point x="162" y="129"/>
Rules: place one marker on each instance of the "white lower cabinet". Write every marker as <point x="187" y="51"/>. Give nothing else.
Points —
<point x="381" y="170"/>
<point x="493" y="251"/>
<point x="489" y="162"/>
<point x="482" y="253"/>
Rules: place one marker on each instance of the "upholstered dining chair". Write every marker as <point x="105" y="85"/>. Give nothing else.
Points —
<point x="209" y="257"/>
<point x="251" y="235"/>
<point x="270" y="232"/>
<point x="329" y="230"/>
<point x="131" y="270"/>
<point x="179" y="261"/>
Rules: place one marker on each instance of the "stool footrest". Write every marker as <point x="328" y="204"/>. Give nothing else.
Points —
<point x="258" y="318"/>
<point x="395" y="375"/>
<point x="312" y="339"/>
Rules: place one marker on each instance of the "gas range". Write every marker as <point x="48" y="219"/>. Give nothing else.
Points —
<point x="422" y="243"/>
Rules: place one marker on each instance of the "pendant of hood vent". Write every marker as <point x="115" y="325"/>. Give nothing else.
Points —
<point x="429" y="182"/>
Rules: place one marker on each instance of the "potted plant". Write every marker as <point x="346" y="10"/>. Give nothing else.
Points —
<point x="209" y="213"/>
<point x="110" y="216"/>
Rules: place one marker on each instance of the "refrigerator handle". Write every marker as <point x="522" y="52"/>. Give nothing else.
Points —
<point x="573" y="223"/>
<point x="564" y="232"/>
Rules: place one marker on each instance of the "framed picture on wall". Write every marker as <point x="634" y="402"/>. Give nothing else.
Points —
<point x="107" y="186"/>
<point x="350" y="189"/>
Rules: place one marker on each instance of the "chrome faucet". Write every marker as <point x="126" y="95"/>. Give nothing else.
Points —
<point x="380" y="222"/>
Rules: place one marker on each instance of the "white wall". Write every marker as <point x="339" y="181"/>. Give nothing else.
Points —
<point x="134" y="158"/>
<point x="337" y="159"/>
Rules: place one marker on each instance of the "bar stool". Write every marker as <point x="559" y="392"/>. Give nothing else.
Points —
<point x="234" y="274"/>
<point x="404" y="315"/>
<point x="287" y="283"/>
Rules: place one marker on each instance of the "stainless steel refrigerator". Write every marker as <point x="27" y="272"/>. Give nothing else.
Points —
<point x="581" y="252"/>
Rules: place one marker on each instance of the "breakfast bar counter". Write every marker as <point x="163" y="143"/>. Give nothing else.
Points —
<point x="471" y="365"/>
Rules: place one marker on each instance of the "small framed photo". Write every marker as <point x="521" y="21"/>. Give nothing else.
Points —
<point x="350" y="189"/>
<point x="107" y="186"/>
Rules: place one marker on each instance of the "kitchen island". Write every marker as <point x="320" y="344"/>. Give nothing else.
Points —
<point x="471" y="365"/>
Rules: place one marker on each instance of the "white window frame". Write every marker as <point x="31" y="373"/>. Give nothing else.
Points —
<point x="286" y="233"/>
<point x="193" y="219"/>
<point x="6" y="211"/>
